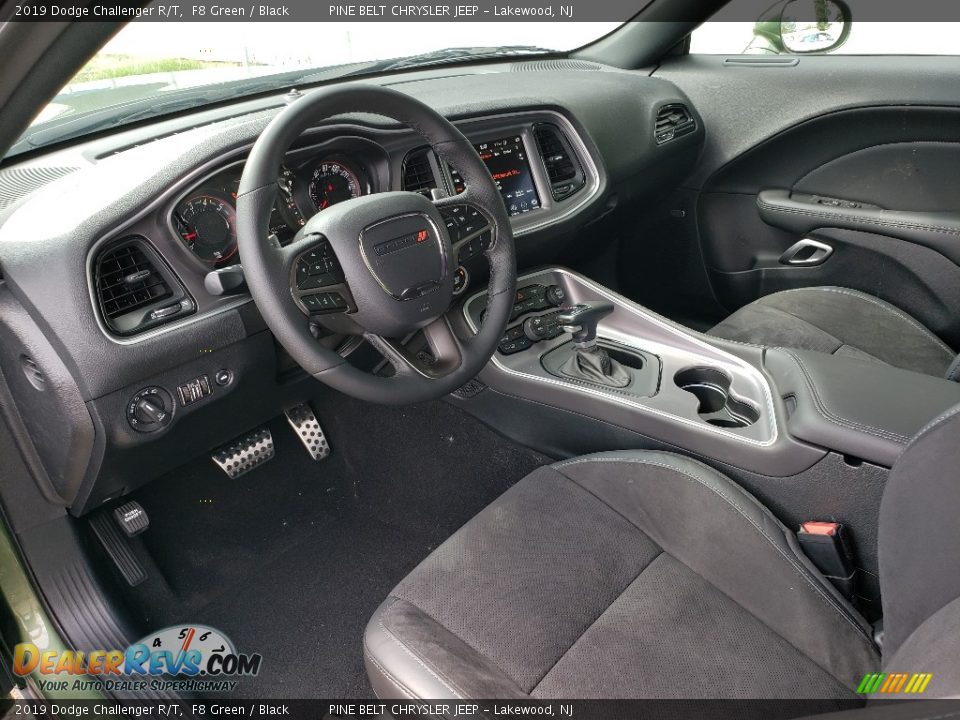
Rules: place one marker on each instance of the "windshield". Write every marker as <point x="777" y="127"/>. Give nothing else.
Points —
<point x="149" y="68"/>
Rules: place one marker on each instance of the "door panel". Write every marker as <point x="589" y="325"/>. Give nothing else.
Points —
<point x="859" y="153"/>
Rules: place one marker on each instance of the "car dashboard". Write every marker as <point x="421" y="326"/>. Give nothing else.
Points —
<point x="121" y="273"/>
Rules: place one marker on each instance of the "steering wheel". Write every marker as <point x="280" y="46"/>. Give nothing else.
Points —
<point x="381" y="266"/>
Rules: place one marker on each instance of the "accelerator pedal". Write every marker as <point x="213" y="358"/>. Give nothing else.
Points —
<point x="113" y="532"/>
<point x="307" y="427"/>
<point x="245" y="453"/>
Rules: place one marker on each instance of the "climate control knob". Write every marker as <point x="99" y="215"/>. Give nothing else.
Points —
<point x="150" y="409"/>
<point x="555" y="295"/>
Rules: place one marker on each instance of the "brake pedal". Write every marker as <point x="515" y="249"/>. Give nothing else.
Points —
<point x="307" y="427"/>
<point x="245" y="453"/>
<point x="106" y="526"/>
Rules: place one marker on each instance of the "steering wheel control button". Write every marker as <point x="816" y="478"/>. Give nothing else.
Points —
<point x="463" y="222"/>
<point x="318" y="268"/>
<point x="324" y="303"/>
<point x="151" y="409"/>
<point x="223" y="377"/>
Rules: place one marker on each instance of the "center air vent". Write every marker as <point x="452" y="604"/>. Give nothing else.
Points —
<point x="418" y="172"/>
<point x="672" y="122"/>
<point x="561" y="163"/>
<point x="135" y="289"/>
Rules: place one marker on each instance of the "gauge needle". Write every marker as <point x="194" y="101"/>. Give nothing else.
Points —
<point x="190" y="236"/>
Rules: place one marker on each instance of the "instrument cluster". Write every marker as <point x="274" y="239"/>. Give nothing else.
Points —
<point x="205" y="220"/>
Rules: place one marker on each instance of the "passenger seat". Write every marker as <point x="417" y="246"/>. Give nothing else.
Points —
<point x="841" y="321"/>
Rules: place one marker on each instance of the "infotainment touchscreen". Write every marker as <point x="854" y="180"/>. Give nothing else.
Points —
<point x="506" y="160"/>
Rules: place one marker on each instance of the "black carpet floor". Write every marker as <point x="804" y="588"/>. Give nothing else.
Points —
<point x="291" y="559"/>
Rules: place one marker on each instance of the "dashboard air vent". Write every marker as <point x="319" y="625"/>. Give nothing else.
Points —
<point x="418" y="173"/>
<point x="561" y="163"/>
<point x="672" y="122"/>
<point x="134" y="288"/>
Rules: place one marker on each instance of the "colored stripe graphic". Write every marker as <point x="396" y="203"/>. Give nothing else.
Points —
<point x="894" y="683"/>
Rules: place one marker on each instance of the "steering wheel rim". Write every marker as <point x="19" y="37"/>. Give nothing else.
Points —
<point x="375" y="274"/>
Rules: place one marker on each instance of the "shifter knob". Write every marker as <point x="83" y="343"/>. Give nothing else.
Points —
<point x="581" y="320"/>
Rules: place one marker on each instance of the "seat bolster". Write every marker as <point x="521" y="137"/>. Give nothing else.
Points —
<point x="415" y="647"/>
<point x="721" y="532"/>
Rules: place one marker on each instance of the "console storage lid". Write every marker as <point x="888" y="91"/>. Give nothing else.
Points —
<point x="857" y="407"/>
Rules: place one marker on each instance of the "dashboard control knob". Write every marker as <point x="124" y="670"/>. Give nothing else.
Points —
<point x="555" y="295"/>
<point x="461" y="278"/>
<point x="150" y="409"/>
<point x="534" y="328"/>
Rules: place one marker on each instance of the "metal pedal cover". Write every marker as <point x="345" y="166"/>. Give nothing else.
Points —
<point x="307" y="427"/>
<point x="245" y="453"/>
<point x="118" y="547"/>
<point x="132" y="518"/>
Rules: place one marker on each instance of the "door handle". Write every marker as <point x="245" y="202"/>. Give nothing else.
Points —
<point x="802" y="214"/>
<point x="807" y="253"/>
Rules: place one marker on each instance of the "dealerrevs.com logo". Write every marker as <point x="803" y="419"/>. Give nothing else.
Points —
<point x="179" y="658"/>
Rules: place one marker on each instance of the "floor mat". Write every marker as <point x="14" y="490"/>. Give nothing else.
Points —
<point x="291" y="559"/>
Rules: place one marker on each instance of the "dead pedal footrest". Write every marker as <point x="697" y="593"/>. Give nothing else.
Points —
<point x="305" y="424"/>
<point x="245" y="453"/>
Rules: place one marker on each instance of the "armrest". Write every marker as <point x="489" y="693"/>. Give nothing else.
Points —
<point x="857" y="407"/>
<point x="802" y="214"/>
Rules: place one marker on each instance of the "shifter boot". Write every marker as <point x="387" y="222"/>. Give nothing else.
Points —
<point x="595" y="365"/>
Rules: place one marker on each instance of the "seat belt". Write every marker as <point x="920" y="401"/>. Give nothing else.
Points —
<point x="826" y="546"/>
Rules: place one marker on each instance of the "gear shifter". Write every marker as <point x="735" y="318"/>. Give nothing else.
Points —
<point x="589" y="361"/>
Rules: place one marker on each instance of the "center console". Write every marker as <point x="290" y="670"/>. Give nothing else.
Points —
<point x="670" y="384"/>
<point x="577" y="346"/>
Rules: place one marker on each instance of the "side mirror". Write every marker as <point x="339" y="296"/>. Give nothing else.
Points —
<point x="801" y="26"/>
<point x="814" y="26"/>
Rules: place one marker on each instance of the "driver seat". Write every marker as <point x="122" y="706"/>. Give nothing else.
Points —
<point x="642" y="574"/>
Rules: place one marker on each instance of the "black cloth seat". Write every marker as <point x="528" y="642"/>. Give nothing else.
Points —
<point x="642" y="574"/>
<point x="841" y="321"/>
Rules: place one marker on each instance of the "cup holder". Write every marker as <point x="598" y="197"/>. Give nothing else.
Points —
<point x="718" y="406"/>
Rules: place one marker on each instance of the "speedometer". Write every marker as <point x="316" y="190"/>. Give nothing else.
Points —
<point x="333" y="182"/>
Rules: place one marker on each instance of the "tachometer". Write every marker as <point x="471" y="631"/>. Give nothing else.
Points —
<point x="333" y="182"/>
<point x="208" y="225"/>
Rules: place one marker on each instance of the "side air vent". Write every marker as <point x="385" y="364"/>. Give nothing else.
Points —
<point x="135" y="290"/>
<point x="418" y="172"/>
<point x="561" y="162"/>
<point x="19" y="182"/>
<point x="672" y="122"/>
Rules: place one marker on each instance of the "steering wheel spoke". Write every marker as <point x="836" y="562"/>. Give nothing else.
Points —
<point x="445" y="356"/>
